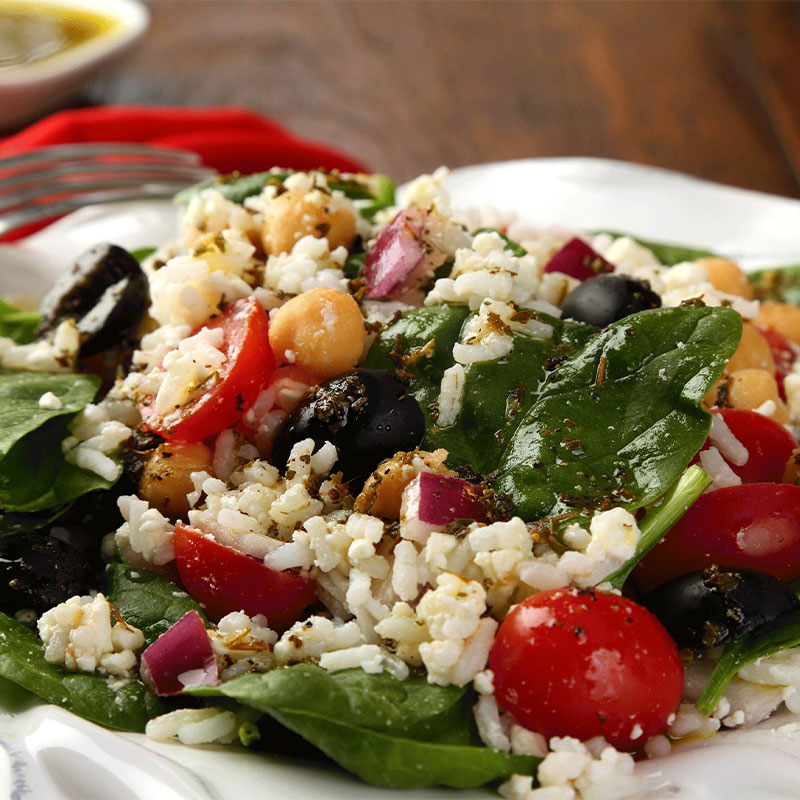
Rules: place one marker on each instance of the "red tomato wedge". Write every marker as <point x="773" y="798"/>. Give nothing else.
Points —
<point x="584" y="663"/>
<point x="754" y="526"/>
<point x="223" y="580"/>
<point x="769" y="444"/>
<point x="247" y="369"/>
<point x="784" y="352"/>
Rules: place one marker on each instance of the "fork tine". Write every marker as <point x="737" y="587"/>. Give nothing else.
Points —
<point x="63" y="152"/>
<point x="16" y="219"/>
<point x="22" y="182"/>
<point x="54" y="193"/>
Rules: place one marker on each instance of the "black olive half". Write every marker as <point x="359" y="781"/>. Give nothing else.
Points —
<point x="365" y="413"/>
<point x="38" y="571"/>
<point x="105" y="292"/>
<point x="604" y="299"/>
<point x="709" y="607"/>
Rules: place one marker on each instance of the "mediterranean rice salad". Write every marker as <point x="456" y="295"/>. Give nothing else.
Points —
<point x="446" y="498"/>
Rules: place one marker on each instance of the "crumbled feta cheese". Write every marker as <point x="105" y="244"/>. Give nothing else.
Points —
<point x="50" y="402"/>
<point x="78" y="634"/>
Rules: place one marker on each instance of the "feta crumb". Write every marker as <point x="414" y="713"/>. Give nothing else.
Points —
<point x="50" y="402"/>
<point x="78" y="634"/>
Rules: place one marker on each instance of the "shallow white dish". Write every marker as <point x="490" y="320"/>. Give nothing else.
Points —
<point x="46" y="752"/>
<point x="31" y="89"/>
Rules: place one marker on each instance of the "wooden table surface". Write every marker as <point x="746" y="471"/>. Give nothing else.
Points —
<point x="709" y="88"/>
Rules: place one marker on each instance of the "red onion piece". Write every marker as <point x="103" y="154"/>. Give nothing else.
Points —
<point x="578" y="260"/>
<point x="443" y="499"/>
<point x="181" y="656"/>
<point x="398" y="257"/>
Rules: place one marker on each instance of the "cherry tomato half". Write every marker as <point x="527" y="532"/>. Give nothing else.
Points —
<point x="583" y="663"/>
<point x="223" y="580"/>
<point x="755" y="526"/>
<point x="247" y="369"/>
<point x="769" y="444"/>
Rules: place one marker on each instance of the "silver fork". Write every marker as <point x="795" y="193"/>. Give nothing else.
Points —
<point x="52" y="181"/>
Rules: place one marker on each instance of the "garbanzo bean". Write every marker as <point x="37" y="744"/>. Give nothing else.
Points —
<point x="753" y="352"/>
<point x="727" y="276"/>
<point x="295" y="214"/>
<point x="383" y="492"/>
<point x="166" y="477"/>
<point x="785" y="318"/>
<point x="321" y="331"/>
<point x="751" y="388"/>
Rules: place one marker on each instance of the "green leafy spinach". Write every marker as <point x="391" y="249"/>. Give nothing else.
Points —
<point x="33" y="472"/>
<point x="379" y="190"/>
<point x="18" y="325"/>
<point x="147" y="600"/>
<point x="780" y="634"/>
<point x="621" y="418"/>
<point x="87" y="694"/>
<point x="779" y="284"/>
<point x="408" y="734"/>
<point x="661" y="517"/>
<point x="579" y="417"/>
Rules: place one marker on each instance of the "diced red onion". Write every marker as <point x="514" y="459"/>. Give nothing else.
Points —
<point x="182" y="656"/>
<point x="578" y="260"/>
<point x="398" y="257"/>
<point x="443" y="499"/>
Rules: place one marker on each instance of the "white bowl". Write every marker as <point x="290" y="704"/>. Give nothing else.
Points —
<point x="29" y="90"/>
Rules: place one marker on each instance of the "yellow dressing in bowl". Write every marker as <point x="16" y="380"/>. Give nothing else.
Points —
<point x="31" y="32"/>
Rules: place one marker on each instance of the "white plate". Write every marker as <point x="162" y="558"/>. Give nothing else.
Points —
<point x="46" y="752"/>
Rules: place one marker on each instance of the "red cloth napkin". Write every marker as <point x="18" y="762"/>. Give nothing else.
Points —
<point x="227" y="139"/>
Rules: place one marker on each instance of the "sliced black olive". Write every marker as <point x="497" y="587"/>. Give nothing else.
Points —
<point x="365" y="413"/>
<point x="38" y="571"/>
<point x="709" y="607"/>
<point x="604" y="299"/>
<point x="105" y="292"/>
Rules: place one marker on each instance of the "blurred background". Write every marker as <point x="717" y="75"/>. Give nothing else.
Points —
<point x="709" y="88"/>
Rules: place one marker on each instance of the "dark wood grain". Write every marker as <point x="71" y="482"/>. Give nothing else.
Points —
<point x="709" y="88"/>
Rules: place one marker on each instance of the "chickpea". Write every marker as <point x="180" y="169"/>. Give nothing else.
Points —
<point x="321" y="331"/>
<point x="785" y="318"/>
<point x="753" y="352"/>
<point x="751" y="388"/>
<point x="295" y="214"/>
<point x="383" y="492"/>
<point x="166" y="477"/>
<point x="727" y="276"/>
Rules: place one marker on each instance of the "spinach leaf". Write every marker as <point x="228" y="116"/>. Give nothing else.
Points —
<point x="383" y="196"/>
<point x="142" y="253"/>
<point x="496" y="393"/>
<point x="781" y="284"/>
<point x="780" y="634"/>
<point x="393" y="733"/>
<point x="35" y="476"/>
<point x="515" y="247"/>
<point x="18" y="325"/>
<point x="19" y="401"/>
<point x="659" y="519"/>
<point x="33" y="472"/>
<point x="668" y="254"/>
<point x="578" y="417"/>
<point x="147" y="600"/>
<point x="621" y="418"/>
<point x="378" y="189"/>
<point x="86" y="694"/>
<point x="12" y="522"/>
